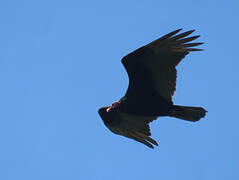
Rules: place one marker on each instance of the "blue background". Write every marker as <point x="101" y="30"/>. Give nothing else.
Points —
<point x="60" y="61"/>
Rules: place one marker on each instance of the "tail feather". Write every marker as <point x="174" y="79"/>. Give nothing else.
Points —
<point x="188" y="113"/>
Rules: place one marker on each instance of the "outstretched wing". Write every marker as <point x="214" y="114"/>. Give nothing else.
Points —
<point x="134" y="127"/>
<point x="151" y="68"/>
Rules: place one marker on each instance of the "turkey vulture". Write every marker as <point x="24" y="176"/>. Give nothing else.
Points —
<point x="152" y="82"/>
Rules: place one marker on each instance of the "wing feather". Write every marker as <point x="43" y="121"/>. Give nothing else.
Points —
<point x="133" y="136"/>
<point x="159" y="59"/>
<point x="136" y="127"/>
<point x="166" y="36"/>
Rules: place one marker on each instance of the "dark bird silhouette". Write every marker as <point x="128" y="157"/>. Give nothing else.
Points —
<point x="152" y="82"/>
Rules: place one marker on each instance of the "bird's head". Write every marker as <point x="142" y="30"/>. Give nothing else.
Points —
<point x="102" y="111"/>
<point x="104" y="114"/>
<point x="108" y="113"/>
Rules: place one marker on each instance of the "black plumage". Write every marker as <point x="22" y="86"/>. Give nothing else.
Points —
<point x="152" y="82"/>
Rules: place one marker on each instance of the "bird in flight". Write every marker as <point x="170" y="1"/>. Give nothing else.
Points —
<point x="152" y="82"/>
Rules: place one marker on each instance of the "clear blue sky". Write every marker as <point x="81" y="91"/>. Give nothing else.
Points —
<point x="60" y="61"/>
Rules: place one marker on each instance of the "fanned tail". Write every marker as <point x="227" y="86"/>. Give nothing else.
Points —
<point x="187" y="113"/>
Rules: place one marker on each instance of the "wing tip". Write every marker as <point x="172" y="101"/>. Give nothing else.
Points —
<point x="180" y="29"/>
<point x="172" y="33"/>
<point x="189" y="32"/>
<point x="194" y="49"/>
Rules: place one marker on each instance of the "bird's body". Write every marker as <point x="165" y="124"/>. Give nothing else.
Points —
<point x="152" y="82"/>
